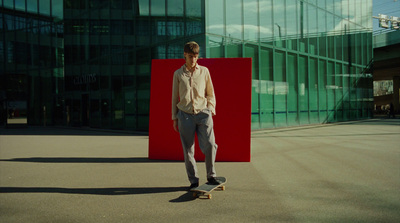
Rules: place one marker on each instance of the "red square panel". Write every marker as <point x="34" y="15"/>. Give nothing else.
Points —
<point x="231" y="78"/>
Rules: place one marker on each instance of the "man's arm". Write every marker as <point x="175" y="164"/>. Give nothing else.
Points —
<point x="175" y="125"/>
<point x="210" y="95"/>
<point x="175" y="100"/>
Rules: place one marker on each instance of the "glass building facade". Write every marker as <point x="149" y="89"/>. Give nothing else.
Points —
<point x="310" y="58"/>
<point x="31" y="62"/>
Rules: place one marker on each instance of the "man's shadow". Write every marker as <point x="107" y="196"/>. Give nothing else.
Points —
<point x="96" y="191"/>
<point x="102" y="191"/>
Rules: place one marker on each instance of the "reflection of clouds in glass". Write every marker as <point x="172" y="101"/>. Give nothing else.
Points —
<point x="358" y="21"/>
<point x="263" y="6"/>
<point x="236" y="29"/>
<point x="348" y="25"/>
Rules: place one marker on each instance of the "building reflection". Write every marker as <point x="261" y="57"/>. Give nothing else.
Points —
<point x="311" y="58"/>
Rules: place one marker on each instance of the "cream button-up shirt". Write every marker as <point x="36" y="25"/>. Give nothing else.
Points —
<point x="192" y="92"/>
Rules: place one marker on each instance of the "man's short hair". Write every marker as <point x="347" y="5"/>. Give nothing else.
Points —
<point x="191" y="47"/>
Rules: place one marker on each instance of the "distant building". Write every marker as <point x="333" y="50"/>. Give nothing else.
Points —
<point x="310" y="58"/>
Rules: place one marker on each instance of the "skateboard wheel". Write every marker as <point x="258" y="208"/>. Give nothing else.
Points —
<point x="194" y="194"/>
<point x="209" y="196"/>
<point x="223" y="188"/>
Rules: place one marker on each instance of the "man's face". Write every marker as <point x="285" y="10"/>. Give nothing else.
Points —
<point x="191" y="59"/>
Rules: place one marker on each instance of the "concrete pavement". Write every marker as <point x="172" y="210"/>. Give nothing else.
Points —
<point x="343" y="172"/>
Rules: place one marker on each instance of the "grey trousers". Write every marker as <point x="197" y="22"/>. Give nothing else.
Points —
<point x="202" y="125"/>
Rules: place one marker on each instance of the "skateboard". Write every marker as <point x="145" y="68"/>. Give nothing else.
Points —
<point x="206" y="189"/>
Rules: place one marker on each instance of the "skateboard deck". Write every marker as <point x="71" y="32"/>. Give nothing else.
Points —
<point x="206" y="189"/>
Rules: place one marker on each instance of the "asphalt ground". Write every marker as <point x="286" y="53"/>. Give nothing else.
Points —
<point x="343" y="172"/>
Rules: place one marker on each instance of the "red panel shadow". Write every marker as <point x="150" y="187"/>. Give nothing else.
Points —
<point x="232" y="85"/>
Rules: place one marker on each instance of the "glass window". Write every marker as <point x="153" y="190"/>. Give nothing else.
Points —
<point x="158" y="52"/>
<point x="313" y="90"/>
<point x="44" y="7"/>
<point x="312" y="28"/>
<point x="313" y="1"/>
<point x="9" y="22"/>
<point x="158" y="8"/>
<point x="322" y="32"/>
<point x="120" y="4"/>
<point x="280" y="88"/>
<point x="266" y="88"/>
<point x="251" y="28"/>
<point x="175" y="50"/>
<point x="105" y="111"/>
<point x="130" y="109"/>
<point x="322" y="99"/>
<point x="193" y="8"/>
<point x="175" y="29"/>
<point x="339" y="91"/>
<point x="215" y="47"/>
<point x="330" y="88"/>
<point x="330" y="5"/>
<point x="57" y="9"/>
<point x="266" y="31"/>
<point x="252" y="51"/>
<point x="331" y="47"/>
<point x="8" y="4"/>
<point x="10" y="52"/>
<point x="321" y="4"/>
<point x="194" y="27"/>
<point x="233" y="49"/>
<point x="144" y="7"/>
<point x="303" y="89"/>
<point x="175" y="7"/>
<point x="95" y="4"/>
<point x="215" y="18"/>
<point x="279" y="26"/>
<point x="338" y="7"/>
<point x="293" y="24"/>
<point x="143" y="32"/>
<point x="345" y="9"/>
<point x="234" y="28"/>
<point x="292" y="94"/>
<point x="20" y="5"/>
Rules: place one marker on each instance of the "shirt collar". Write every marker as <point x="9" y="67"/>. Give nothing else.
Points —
<point x="186" y="70"/>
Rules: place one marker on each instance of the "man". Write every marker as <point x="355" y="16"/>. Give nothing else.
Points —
<point x="193" y="105"/>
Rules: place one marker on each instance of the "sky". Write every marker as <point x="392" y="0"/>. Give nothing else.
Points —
<point x="386" y="7"/>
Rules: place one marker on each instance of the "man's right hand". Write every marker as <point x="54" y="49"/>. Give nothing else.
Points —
<point x="175" y="125"/>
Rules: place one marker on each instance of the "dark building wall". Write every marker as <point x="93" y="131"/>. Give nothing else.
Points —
<point x="31" y="64"/>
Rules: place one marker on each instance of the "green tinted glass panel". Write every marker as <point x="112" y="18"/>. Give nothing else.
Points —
<point x="313" y="86"/>
<point x="250" y="17"/>
<point x="280" y="88"/>
<point x="234" y="27"/>
<point x="303" y="89"/>
<point x="330" y="88"/>
<point x="322" y="91"/>
<point x="175" y="7"/>
<point x="215" y="17"/>
<point x="252" y="51"/>
<point x="293" y="90"/>
<point x="266" y="88"/>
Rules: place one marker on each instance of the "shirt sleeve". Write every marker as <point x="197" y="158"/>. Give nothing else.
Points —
<point x="210" y="95"/>
<point x="175" y="96"/>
